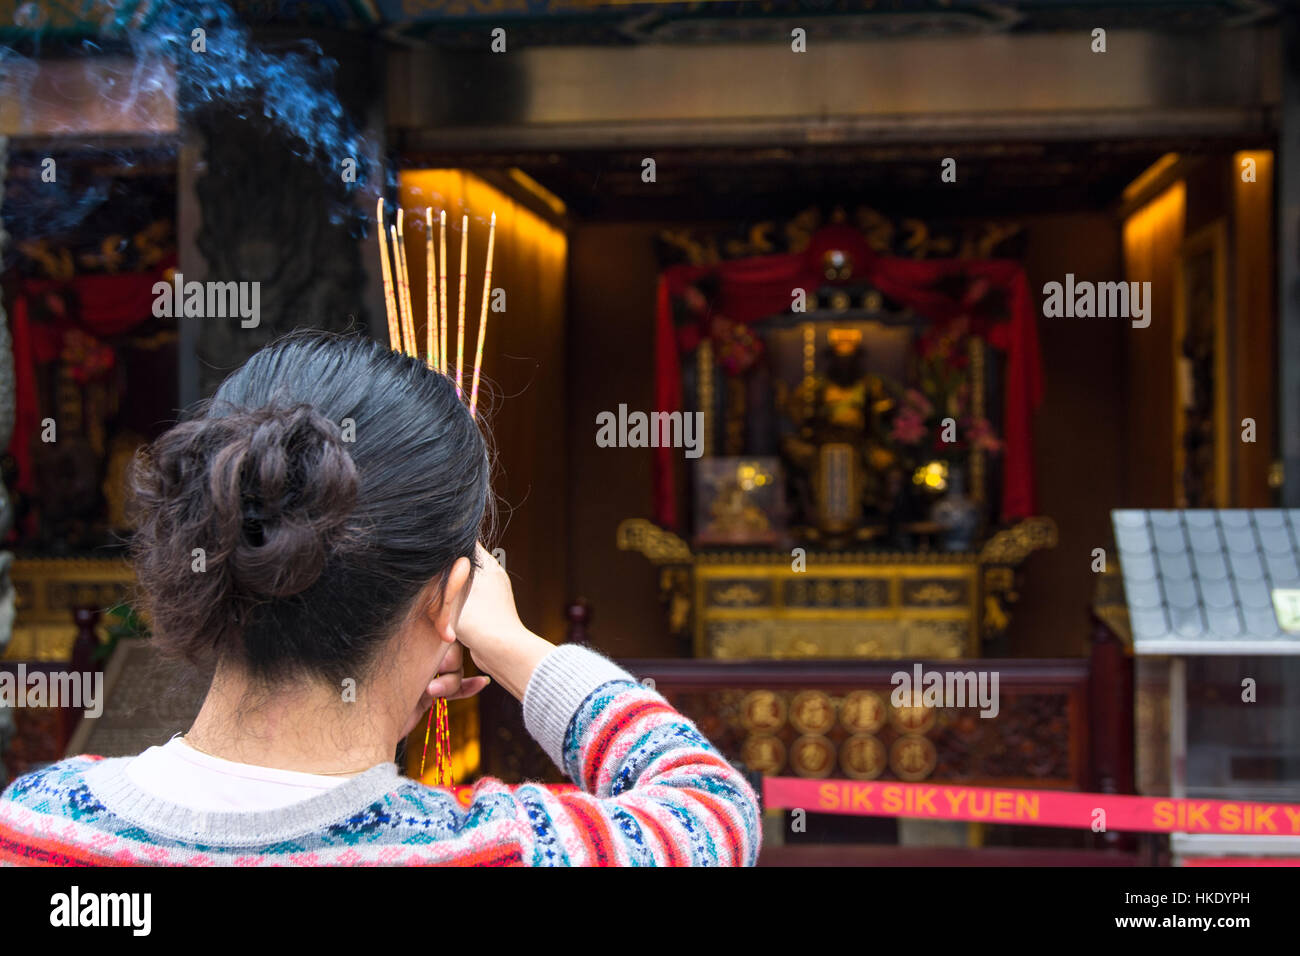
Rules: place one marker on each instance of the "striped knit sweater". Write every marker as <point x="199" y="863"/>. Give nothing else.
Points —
<point x="653" y="792"/>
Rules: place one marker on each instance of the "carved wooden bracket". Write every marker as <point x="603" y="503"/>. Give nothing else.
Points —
<point x="1001" y="556"/>
<point x="660" y="546"/>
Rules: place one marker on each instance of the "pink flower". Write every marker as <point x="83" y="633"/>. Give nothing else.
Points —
<point x="981" y="436"/>
<point x="917" y="402"/>
<point x="909" y="426"/>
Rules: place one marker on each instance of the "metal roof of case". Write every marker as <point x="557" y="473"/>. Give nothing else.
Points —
<point x="1202" y="582"/>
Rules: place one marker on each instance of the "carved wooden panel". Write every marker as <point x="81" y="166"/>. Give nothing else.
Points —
<point x="835" y="720"/>
<point x="858" y="734"/>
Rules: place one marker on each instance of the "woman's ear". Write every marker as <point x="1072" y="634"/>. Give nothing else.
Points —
<point x="444" y="609"/>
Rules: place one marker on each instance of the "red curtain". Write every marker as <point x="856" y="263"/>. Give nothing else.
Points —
<point x="754" y="288"/>
<point x="105" y="305"/>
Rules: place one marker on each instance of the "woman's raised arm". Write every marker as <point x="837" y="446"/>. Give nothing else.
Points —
<point x="654" y="790"/>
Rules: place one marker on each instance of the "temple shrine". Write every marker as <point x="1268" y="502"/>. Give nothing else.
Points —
<point x="948" y="345"/>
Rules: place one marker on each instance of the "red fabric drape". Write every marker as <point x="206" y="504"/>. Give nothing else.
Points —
<point x="106" y="305"/>
<point x="751" y="289"/>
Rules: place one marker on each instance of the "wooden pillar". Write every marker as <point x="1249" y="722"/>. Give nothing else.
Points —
<point x="1110" y="705"/>
<point x="1288" y="261"/>
<point x="189" y="261"/>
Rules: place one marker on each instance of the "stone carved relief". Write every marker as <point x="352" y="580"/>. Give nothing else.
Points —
<point x="271" y="217"/>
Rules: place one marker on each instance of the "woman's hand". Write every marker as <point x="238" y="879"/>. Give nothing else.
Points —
<point x="450" y="684"/>
<point x="488" y="613"/>
<point x="490" y="628"/>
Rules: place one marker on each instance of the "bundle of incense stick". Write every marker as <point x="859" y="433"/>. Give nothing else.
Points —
<point x="402" y="337"/>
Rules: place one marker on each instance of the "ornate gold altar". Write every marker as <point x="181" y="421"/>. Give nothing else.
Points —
<point x="48" y="590"/>
<point x="848" y="604"/>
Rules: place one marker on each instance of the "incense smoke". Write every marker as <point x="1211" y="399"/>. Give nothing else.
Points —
<point x="290" y="91"/>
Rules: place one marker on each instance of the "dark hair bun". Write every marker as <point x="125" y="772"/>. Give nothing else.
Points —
<point x="266" y="493"/>
<point x="282" y="488"/>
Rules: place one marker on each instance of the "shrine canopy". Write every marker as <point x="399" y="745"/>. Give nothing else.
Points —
<point x="101" y="305"/>
<point x="991" y="295"/>
<point x="1211" y="582"/>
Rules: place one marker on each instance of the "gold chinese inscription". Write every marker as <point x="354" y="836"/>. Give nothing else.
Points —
<point x="811" y="712"/>
<point x="817" y="734"/>
<point x="862" y="757"/>
<point x="763" y="753"/>
<point x="863" y="712"/>
<point x="812" y="756"/>
<point x="913" y="757"/>
<point x="762" y="712"/>
<point x="912" y="720"/>
<point x="836" y="592"/>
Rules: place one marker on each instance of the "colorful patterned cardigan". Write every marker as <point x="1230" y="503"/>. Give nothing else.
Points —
<point x="653" y="792"/>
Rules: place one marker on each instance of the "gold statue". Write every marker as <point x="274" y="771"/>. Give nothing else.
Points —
<point x="840" y="444"/>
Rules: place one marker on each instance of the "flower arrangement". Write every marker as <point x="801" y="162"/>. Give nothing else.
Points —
<point x="942" y="391"/>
